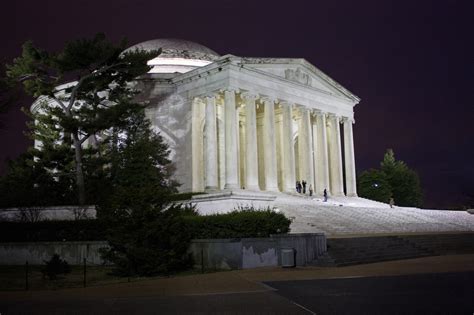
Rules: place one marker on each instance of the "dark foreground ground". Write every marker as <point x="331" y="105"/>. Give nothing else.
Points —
<point x="431" y="285"/>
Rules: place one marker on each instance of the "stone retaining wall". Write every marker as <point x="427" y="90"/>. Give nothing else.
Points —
<point x="36" y="253"/>
<point x="48" y="213"/>
<point x="208" y="253"/>
<point x="256" y="252"/>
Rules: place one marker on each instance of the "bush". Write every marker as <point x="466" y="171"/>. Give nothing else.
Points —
<point x="239" y="223"/>
<point x="55" y="266"/>
<point x="51" y="231"/>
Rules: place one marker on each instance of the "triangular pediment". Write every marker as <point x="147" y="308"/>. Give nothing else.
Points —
<point x="301" y="72"/>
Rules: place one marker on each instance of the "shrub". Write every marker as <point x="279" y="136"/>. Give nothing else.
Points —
<point x="239" y="223"/>
<point x="54" y="267"/>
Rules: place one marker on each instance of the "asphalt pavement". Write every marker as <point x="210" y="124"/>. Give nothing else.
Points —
<point x="440" y="293"/>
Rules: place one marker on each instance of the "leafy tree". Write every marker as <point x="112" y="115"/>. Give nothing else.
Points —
<point x="139" y="173"/>
<point x="27" y="183"/>
<point x="404" y="182"/>
<point x="394" y="179"/>
<point x="146" y="234"/>
<point x="373" y="184"/>
<point x="87" y="88"/>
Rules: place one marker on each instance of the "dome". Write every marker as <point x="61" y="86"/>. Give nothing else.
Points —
<point x="177" y="55"/>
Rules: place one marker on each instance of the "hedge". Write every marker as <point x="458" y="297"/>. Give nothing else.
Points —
<point x="236" y="224"/>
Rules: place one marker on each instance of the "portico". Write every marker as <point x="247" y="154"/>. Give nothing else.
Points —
<point x="270" y="143"/>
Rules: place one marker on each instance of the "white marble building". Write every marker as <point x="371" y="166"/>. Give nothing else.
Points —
<point x="258" y="124"/>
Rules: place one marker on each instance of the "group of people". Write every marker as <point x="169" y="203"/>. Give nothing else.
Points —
<point x="301" y="189"/>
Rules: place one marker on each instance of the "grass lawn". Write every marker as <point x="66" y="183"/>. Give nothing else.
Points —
<point x="13" y="278"/>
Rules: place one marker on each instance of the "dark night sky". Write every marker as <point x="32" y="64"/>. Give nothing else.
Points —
<point x="411" y="63"/>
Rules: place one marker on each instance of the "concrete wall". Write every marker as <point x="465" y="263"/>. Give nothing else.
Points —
<point x="212" y="253"/>
<point x="256" y="252"/>
<point x="36" y="253"/>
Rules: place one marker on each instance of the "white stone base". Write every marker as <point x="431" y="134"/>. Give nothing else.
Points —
<point x="227" y="201"/>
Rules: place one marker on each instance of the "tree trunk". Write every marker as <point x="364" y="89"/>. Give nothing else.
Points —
<point x="81" y="189"/>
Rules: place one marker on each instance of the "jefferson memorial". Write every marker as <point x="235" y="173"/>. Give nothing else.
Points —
<point x="259" y="124"/>
<point x="245" y="130"/>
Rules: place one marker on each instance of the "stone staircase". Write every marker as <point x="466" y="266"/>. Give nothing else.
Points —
<point x="443" y="244"/>
<point x="339" y="220"/>
<point x="363" y="250"/>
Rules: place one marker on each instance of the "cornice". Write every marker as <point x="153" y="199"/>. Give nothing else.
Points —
<point x="239" y="63"/>
<point x="309" y="66"/>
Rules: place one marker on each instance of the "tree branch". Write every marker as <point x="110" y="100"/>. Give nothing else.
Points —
<point x="81" y="80"/>
<point x="81" y="141"/>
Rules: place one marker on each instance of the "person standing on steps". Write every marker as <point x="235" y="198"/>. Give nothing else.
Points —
<point x="304" y="186"/>
<point x="310" y="190"/>
<point x="325" y="194"/>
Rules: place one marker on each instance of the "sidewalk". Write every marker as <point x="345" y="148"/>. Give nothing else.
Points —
<point x="246" y="281"/>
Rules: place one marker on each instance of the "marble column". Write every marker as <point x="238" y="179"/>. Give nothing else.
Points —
<point x="288" y="149"/>
<point x="349" y="159"/>
<point x="269" y="141"/>
<point x="335" y="164"/>
<point x="314" y="132"/>
<point x="221" y="140"/>
<point x="321" y="142"/>
<point x="198" y="114"/>
<point x="210" y="145"/>
<point x="231" y="152"/>
<point x="251" y="156"/>
<point x="305" y="148"/>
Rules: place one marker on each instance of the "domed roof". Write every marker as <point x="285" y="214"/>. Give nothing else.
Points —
<point x="177" y="48"/>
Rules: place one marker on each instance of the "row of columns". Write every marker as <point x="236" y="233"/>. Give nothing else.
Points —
<point x="319" y="147"/>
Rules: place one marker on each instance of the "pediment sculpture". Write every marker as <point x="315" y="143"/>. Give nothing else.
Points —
<point x="298" y="76"/>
